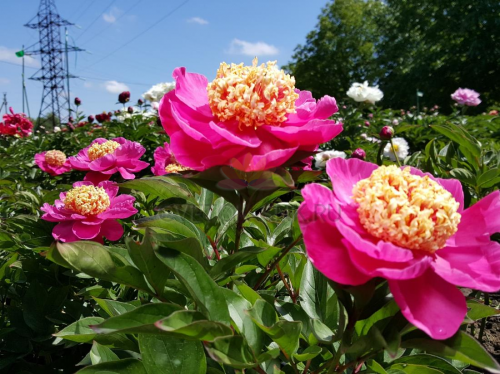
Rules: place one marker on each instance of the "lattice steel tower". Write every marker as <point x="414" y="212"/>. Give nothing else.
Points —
<point x="53" y="72"/>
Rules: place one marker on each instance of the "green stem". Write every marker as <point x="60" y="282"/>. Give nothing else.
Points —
<point x="239" y="224"/>
<point x="395" y="154"/>
<point x="483" y="321"/>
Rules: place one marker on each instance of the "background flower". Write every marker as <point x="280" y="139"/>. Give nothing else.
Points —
<point x="401" y="149"/>
<point x="321" y="158"/>
<point x="89" y="212"/>
<point x="165" y="162"/>
<point x="16" y="124"/>
<point x="53" y="162"/>
<point x="466" y="96"/>
<point x="361" y="92"/>
<point x="155" y="93"/>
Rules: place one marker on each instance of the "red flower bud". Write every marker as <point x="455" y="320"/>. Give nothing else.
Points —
<point x="77" y="101"/>
<point x="130" y="109"/>
<point x="386" y="133"/>
<point x="358" y="153"/>
<point x="124" y="97"/>
<point x="91" y="118"/>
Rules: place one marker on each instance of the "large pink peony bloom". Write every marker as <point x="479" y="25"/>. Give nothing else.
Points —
<point x="165" y="162"/>
<point x="103" y="157"/>
<point x="466" y="96"/>
<point x="53" y="162"/>
<point x="409" y="228"/>
<point x="252" y="111"/>
<point x="89" y="212"/>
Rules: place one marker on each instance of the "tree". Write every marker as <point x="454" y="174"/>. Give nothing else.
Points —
<point x="438" y="46"/>
<point x="340" y="50"/>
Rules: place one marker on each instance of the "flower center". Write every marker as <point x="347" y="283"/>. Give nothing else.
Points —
<point x="395" y="148"/>
<point x="407" y="210"/>
<point x="97" y="150"/>
<point x="87" y="200"/>
<point x="175" y="168"/>
<point x="55" y="158"/>
<point x="252" y="95"/>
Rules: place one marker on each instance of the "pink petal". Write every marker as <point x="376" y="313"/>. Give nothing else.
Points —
<point x="431" y="304"/>
<point x="191" y="88"/>
<point x="476" y="267"/>
<point x="314" y="132"/>
<point x="83" y="231"/>
<point x="103" y="163"/>
<point x="345" y="174"/>
<point x="125" y="174"/>
<point x="63" y="231"/>
<point x="111" y="188"/>
<point x="95" y="177"/>
<point x="323" y="240"/>
<point x="232" y="133"/>
<point x="111" y="230"/>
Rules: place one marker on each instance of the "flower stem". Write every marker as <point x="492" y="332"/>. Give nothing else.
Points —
<point x="395" y="154"/>
<point x="239" y="224"/>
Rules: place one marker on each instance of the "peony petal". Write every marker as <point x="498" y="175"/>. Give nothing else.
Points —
<point x="345" y="174"/>
<point x="476" y="267"/>
<point x="83" y="231"/>
<point x="103" y="163"/>
<point x="63" y="232"/>
<point x="111" y="188"/>
<point x="246" y="137"/>
<point x="111" y="230"/>
<point x="431" y="304"/>
<point x="125" y="174"/>
<point x="313" y="132"/>
<point x="95" y="177"/>
<point x="191" y="88"/>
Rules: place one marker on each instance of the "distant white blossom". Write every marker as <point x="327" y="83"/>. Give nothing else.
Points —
<point x="361" y="92"/>
<point x="57" y="129"/>
<point x="370" y="138"/>
<point x="395" y="122"/>
<point x="155" y="93"/>
<point x="321" y="158"/>
<point x="401" y="149"/>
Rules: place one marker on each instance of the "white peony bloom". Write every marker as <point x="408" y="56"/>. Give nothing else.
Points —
<point x="361" y="92"/>
<point x="321" y="158"/>
<point x="155" y="93"/>
<point x="401" y="149"/>
<point x="395" y="122"/>
<point x="57" y="129"/>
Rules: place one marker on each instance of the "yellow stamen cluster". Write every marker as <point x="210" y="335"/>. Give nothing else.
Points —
<point x="175" y="168"/>
<point x="407" y="210"/>
<point x="252" y="95"/>
<point x="55" y="158"/>
<point x="87" y="200"/>
<point x="97" y="150"/>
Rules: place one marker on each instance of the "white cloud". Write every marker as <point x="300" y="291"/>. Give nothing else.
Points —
<point x="9" y="55"/>
<point x="4" y="81"/>
<point x="115" y="87"/>
<point x="112" y="16"/>
<point x="198" y="20"/>
<point x="242" y="47"/>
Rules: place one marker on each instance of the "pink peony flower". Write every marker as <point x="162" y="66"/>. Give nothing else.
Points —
<point x="53" y="162"/>
<point x="465" y="96"/>
<point x="409" y="228"/>
<point x="16" y="124"/>
<point x="165" y="162"/>
<point x="103" y="157"/>
<point x="252" y="111"/>
<point x="88" y="212"/>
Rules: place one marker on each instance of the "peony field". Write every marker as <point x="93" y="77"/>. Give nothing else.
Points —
<point x="262" y="220"/>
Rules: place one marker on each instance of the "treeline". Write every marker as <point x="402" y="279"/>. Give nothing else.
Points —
<point x="434" y="46"/>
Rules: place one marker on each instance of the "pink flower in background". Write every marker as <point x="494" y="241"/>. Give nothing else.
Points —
<point x="88" y="212"/>
<point x="252" y="111"/>
<point x="16" y="124"/>
<point x="103" y="157"/>
<point x="53" y="162"/>
<point x="165" y="162"/>
<point x="409" y="228"/>
<point x="465" y="96"/>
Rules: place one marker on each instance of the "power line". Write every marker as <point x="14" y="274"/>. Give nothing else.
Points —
<point x="95" y="20"/>
<point x="140" y="34"/>
<point x="107" y="27"/>
<point x="81" y="7"/>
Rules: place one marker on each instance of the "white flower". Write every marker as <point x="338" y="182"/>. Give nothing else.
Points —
<point x="361" y="92"/>
<point x="57" y="129"/>
<point x="321" y="158"/>
<point x="155" y="105"/>
<point x="155" y="93"/>
<point x="395" y="122"/>
<point x="401" y="149"/>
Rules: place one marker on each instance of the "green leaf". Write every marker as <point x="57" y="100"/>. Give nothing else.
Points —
<point x="114" y="308"/>
<point x="169" y="355"/>
<point x="159" y="187"/>
<point x="233" y="351"/>
<point x="125" y="366"/>
<point x="95" y="260"/>
<point x="487" y="177"/>
<point x="100" y="353"/>
<point x="428" y="360"/>
<point x="308" y="354"/>
<point x="139" y="320"/>
<point x="468" y="145"/>
<point x="207" y="294"/>
<point x="190" y="324"/>
<point x="412" y="369"/>
<point x="461" y="347"/>
<point x="477" y="310"/>
<point x="227" y="264"/>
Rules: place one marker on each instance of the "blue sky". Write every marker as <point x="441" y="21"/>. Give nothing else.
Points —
<point x="200" y="34"/>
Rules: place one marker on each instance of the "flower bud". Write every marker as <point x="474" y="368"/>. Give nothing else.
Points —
<point x="78" y="101"/>
<point x="358" y="153"/>
<point x="70" y="119"/>
<point x="124" y="97"/>
<point x="130" y="109"/>
<point x="91" y="118"/>
<point x="140" y="102"/>
<point x="370" y="115"/>
<point x="386" y="133"/>
<point x="367" y="124"/>
<point x="117" y="112"/>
